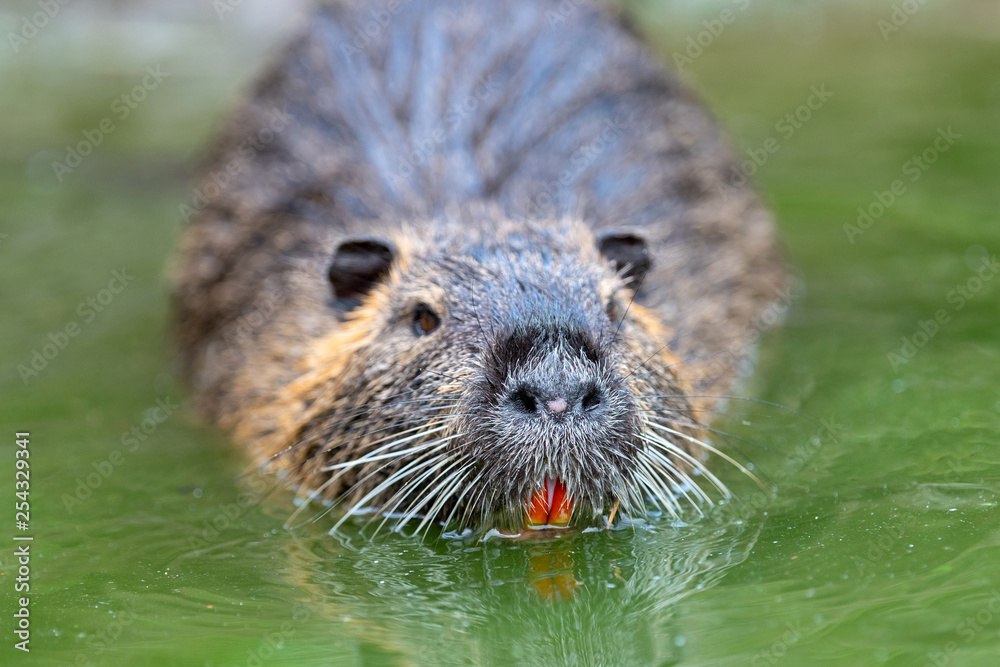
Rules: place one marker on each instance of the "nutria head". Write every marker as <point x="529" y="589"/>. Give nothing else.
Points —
<point x="494" y="375"/>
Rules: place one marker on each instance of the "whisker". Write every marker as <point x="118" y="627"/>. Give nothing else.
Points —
<point x="410" y="468"/>
<point x="659" y="444"/>
<point x="352" y="413"/>
<point x="454" y="483"/>
<point x="679" y="478"/>
<point x="313" y="495"/>
<point x="421" y="422"/>
<point x="397" y="476"/>
<point x="648" y="481"/>
<point x="656" y="453"/>
<point x="458" y="501"/>
<point x="662" y="367"/>
<point x="420" y="369"/>
<point x="671" y="448"/>
<point x="635" y="293"/>
<point x="737" y="398"/>
<point x="368" y="458"/>
<point x="431" y="445"/>
<point x="696" y="425"/>
<point x="714" y="450"/>
<point x="432" y="404"/>
<point x="655" y="370"/>
<point x="403" y="493"/>
<point x="427" y="497"/>
<point x="474" y="502"/>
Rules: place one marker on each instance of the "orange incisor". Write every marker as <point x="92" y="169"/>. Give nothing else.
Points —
<point x="550" y="507"/>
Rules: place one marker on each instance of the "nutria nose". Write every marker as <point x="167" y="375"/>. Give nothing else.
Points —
<point x="528" y="399"/>
<point x="557" y="405"/>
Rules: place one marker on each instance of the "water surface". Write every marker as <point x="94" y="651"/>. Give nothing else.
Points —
<point x="879" y="544"/>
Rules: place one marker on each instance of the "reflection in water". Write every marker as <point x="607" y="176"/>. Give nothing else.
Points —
<point x="550" y="571"/>
<point x="600" y="597"/>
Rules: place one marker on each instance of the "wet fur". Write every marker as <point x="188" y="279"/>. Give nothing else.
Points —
<point x="528" y="130"/>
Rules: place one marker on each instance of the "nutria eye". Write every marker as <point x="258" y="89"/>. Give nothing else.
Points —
<point x="425" y="320"/>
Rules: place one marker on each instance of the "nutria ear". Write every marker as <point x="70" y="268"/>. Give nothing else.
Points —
<point x="359" y="263"/>
<point x="628" y="252"/>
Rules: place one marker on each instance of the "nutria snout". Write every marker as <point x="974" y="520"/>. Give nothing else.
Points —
<point x="550" y="400"/>
<point x="516" y="354"/>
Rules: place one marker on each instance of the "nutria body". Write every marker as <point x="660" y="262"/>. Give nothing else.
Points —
<point x="410" y="282"/>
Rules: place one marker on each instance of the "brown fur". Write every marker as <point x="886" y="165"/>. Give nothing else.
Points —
<point x="530" y="158"/>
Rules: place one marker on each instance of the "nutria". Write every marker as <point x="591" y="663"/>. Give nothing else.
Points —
<point x="477" y="263"/>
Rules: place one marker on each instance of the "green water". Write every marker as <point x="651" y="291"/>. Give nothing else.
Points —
<point x="879" y="546"/>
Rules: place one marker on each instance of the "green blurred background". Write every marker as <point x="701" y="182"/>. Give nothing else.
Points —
<point x="879" y="546"/>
